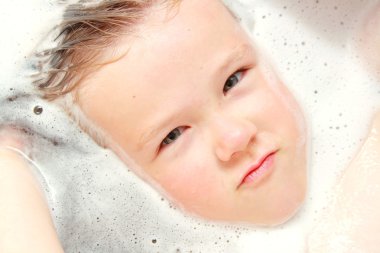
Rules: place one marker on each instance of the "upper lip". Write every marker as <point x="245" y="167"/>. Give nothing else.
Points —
<point x="256" y="165"/>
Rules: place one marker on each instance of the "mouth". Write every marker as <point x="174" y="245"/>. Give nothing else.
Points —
<point x="259" y="170"/>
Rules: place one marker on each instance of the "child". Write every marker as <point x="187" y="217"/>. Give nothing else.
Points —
<point x="193" y="105"/>
<point x="177" y="87"/>
<point x="178" y="91"/>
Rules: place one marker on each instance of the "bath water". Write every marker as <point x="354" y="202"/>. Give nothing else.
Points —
<point x="98" y="205"/>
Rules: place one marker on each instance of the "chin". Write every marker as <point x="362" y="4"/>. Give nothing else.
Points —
<point x="288" y="210"/>
<point x="282" y="212"/>
<point x="285" y="217"/>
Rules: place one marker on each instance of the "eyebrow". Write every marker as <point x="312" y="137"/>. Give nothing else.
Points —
<point x="236" y="55"/>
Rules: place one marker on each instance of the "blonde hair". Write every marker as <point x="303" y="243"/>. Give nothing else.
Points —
<point x="87" y="29"/>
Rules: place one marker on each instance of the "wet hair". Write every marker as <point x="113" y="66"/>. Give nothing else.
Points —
<point x="88" y="28"/>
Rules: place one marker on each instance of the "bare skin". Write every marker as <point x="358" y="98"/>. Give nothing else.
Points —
<point x="352" y="223"/>
<point x="26" y="225"/>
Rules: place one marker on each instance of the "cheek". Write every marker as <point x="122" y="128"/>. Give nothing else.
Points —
<point x="285" y="114"/>
<point x="278" y="105"/>
<point x="271" y="112"/>
<point x="187" y="180"/>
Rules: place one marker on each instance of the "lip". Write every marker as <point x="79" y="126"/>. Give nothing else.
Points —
<point x="259" y="170"/>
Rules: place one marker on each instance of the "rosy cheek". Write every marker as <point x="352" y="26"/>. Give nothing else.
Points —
<point x="185" y="183"/>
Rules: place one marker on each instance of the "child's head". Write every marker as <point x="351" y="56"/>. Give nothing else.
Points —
<point x="191" y="102"/>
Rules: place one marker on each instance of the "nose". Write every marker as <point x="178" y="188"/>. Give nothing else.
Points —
<point x="232" y="136"/>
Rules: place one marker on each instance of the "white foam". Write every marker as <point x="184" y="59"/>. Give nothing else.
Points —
<point x="99" y="206"/>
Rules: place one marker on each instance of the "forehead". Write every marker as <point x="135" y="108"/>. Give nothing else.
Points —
<point x="169" y="57"/>
<point x="193" y="35"/>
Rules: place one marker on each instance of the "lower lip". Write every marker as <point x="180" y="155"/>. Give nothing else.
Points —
<point x="260" y="173"/>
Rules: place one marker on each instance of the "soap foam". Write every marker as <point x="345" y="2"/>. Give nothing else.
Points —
<point x="98" y="205"/>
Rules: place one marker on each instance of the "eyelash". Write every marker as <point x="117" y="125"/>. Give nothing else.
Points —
<point x="235" y="78"/>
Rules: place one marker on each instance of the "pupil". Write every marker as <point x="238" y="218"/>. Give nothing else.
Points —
<point x="231" y="82"/>
<point x="172" y="135"/>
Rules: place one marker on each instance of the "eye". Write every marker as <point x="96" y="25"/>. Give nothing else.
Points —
<point x="232" y="81"/>
<point x="172" y="136"/>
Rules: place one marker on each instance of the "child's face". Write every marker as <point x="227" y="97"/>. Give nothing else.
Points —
<point x="193" y="106"/>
